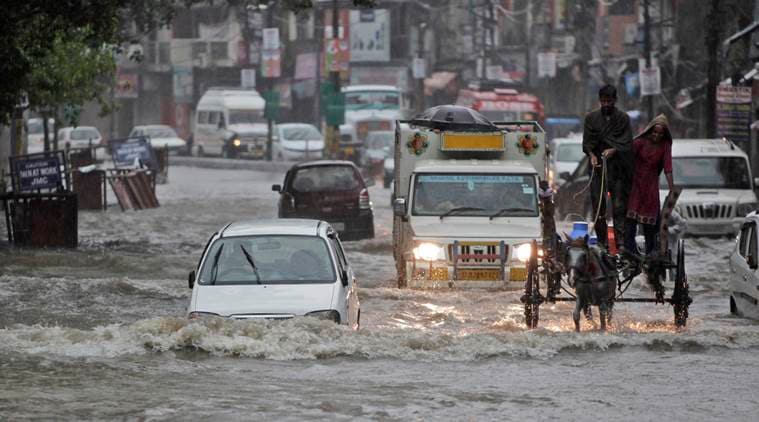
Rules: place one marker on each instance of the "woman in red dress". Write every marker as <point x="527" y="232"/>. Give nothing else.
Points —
<point x="653" y="153"/>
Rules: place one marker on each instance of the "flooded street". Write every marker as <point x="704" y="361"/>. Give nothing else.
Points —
<point x="101" y="333"/>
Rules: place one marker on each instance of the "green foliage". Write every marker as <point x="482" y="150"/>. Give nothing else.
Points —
<point x="68" y="73"/>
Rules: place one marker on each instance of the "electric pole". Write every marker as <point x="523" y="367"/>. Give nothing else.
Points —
<point x="335" y="73"/>
<point x="712" y="69"/>
<point x="647" y="53"/>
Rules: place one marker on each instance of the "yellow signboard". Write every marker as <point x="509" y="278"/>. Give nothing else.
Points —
<point x="473" y="142"/>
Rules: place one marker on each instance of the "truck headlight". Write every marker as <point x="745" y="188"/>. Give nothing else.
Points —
<point x="524" y="251"/>
<point x="429" y="252"/>
<point x="744" y="209"/>
<point x="236" y="142"/>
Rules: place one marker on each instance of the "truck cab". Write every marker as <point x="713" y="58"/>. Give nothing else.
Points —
<point x="465" y="205"/>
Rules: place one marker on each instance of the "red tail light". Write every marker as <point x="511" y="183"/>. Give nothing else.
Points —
<point x="363" y="200"/>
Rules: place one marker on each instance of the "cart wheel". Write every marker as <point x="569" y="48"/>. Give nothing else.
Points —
<point x="680" y="296"/>
<point x="532" y="298"/>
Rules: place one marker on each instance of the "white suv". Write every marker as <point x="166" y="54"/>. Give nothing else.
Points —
<point x="275" y="269"/>
<point x="744" y="266"/>
<point x="718" y="190"/>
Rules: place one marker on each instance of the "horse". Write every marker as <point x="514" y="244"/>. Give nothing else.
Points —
<point x="588" y="269"/>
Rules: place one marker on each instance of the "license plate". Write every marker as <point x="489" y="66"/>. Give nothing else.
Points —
<point x="479" y="274"/>
<point x="517" y="274"/>
<point x="338" y="226"/>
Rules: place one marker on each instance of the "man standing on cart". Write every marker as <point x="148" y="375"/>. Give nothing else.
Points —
<point x="607" y="135"/>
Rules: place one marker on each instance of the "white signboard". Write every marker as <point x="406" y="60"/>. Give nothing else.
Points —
<point x="419" y="68"/>
<point x="271" y="38"/>
<point x="248" y="78"/>
<point x="547" y="65"/>
<point x="370" y="35"/>
<point x="650" y="81"/>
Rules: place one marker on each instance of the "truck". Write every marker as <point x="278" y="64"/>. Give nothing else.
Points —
<point x="465" y="199"/>
<point x="501" y="102"/>
<point x="230" y="122"/>
<point x="373" y="107"/>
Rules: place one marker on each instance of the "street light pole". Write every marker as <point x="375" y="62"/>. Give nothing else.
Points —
<point x="335" y="73"/>
<point x="647" y="52"/>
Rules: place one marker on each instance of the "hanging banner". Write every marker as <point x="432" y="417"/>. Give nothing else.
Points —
<point x="337" y="53"/>
<point x="547" y="65"/>
<point x="271" y="64"/>
<point x="734" y="112"/>
<point x="248" y="78"/>
<point x="182" y="81"/>
<point x="126" y="85"/>
<point x="419" y="68"/>
<point x="650" y="81"/>
<point x="305" y="66"/>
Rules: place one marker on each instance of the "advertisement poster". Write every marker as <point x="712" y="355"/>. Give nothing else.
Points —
<point x="337" y="53"/>
<point x="734" y="112"/>
<point x="370" y="35"/>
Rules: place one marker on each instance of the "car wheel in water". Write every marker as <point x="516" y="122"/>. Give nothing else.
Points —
<point x="228" y="153"/>
<point x="733" y="307"/>
<point x="199" y="151"/>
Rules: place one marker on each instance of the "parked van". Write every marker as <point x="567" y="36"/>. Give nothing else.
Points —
<point x="718" y="190"/>
<point x="230" y="122"/>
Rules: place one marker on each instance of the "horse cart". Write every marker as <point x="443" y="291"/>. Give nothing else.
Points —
<point x="572" y="270"/>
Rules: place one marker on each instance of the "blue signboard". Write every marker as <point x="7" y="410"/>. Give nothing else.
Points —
<point x="132" y="150"/>
<point x="36" y="172"/>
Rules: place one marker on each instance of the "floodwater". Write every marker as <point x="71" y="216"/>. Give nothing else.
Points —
<point x="101" y="333"/>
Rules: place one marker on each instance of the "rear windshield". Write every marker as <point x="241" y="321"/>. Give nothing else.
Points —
<point x="161" y="132"/>
<point x="380" y="140"/>
<point x="325" y="178"/>
<point x="709" y="173"/>
<point x="79" y="134"/>
<point x="277" y="259"/>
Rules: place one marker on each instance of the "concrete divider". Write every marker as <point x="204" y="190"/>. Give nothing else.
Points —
<point x="232" y="164"/>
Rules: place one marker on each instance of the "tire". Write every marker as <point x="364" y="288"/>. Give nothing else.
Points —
<point x="199" y="151"/>
<point x="733" y="306"/>
<point x="681" y="299"/>
<point x="228" y="153"/>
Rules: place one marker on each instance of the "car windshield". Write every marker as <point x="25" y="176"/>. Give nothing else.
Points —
<point x="372" y="100"/>
<point x="160" y="132"/>
<point x="300" y="133"/>
<point x="709" y="173"/>
<point x="80" y="134"/>
<point x="325" y="178"/>
<point x="246" y="116"/>
<point x="380" y="140"/>
<point x="277" y="260"/>
<point x="571" y="152"/>
<point x="475" y="195"/>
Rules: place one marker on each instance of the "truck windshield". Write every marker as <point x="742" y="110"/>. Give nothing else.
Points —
<point x="372" y="100"/>
<point x="246" y="116"/>
<point x="709" y="173"/>
<point x="481" y="194"/>
<point x="271" y="259"/>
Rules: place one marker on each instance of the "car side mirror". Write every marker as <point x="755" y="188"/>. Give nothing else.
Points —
<point x="191" y="279"/>
<point x="344" y="277"/>
<point x="399" y="207"/>
<point x="276" y="188"/>
<point x="565" y="175"/>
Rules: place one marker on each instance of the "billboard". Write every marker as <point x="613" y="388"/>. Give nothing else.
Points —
<point x="370" y="35"/>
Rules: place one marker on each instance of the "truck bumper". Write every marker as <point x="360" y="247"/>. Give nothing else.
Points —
<point x="425" y="275"/>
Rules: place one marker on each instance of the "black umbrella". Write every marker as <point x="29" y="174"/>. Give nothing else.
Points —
<point x="451" y="117"/>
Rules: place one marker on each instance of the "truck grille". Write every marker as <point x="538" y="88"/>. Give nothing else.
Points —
<point x="710" y="211"/>
<point x="468" y="254"/>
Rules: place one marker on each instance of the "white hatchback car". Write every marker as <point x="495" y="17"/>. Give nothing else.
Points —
<point x="161" y="136"/>
<point x="79" y="137"/>
<point x="297" y="142"/>
<point x="275" y="269"/>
